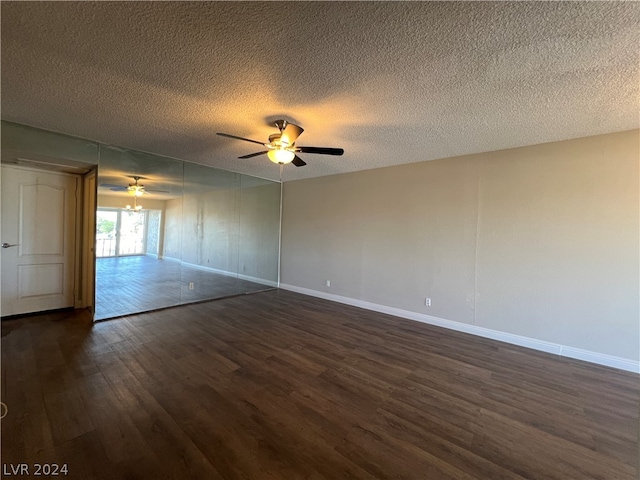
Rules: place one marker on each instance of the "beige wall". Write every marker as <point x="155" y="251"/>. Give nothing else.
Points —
<point x="210" y="224"/>
<point x="108" y="201"/>
<point x="259" y="232"/>
<point x="48" y="147"/>
<point x="234" y="230"/>
<point x="173" y="229"/>
<point x="540" y="242"/>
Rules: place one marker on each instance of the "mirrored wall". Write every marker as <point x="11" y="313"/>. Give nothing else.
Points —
<point x="170" y="232"/>
<point x="167" y="232"/>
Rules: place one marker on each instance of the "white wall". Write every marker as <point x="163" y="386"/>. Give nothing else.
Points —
<point x="538" y="245"/>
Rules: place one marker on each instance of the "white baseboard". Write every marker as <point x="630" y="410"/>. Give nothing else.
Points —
<point x="170" y="259"/>
<point x="262" y="281"/>
<point x="541" y="345"/>
<point x="226" y="273"/>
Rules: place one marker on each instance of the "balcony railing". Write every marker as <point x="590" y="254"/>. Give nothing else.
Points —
<point x="106" y="247"/>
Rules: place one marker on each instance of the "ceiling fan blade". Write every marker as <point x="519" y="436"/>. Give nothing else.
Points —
<point x="321" y="150"/>
<point x="240" y="138"/>
<point x="290" y="133"/>
<point x="254" y="154"/>
<point x="298" y="162"/>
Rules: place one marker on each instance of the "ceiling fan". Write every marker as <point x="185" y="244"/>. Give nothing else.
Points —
<point x="134" y="189"/>
<point x="282" y="147"/>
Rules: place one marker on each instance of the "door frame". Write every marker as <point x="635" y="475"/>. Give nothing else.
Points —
<point x="87" y="247"/>
<point x="84" y="234"/>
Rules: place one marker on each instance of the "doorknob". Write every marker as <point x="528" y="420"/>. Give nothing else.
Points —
<point x="7" y="245"/>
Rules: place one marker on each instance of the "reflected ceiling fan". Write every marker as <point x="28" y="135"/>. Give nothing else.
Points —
<point x="281" y="147"/>
<point x="134" y="189"/>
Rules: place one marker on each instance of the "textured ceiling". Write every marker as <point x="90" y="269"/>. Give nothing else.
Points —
<point x="390" y="82"/>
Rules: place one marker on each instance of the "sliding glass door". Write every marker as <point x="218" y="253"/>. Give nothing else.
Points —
<point x="132" y="233"/>
<point x="120" y="233"/>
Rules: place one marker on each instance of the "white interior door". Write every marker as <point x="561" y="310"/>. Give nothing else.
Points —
<point x="38" y="240"/>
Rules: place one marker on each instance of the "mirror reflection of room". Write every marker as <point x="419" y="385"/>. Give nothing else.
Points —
<point x="170" y="232"/>
<point x="131" y="273"/>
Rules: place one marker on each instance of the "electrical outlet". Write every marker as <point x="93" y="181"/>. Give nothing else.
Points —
<point x="328" y="283"/>
<point x="427" y="302"/>
<point x="191" y="285"/>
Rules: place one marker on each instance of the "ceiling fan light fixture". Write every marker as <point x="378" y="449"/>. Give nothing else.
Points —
<point x="280" y="156"/>
<point x="135" y="191"/>
<point x="282" y="147"/>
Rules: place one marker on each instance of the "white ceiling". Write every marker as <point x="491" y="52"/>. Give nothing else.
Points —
<point x="390" y="82"/>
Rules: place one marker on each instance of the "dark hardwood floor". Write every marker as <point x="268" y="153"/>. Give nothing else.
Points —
<point x="139" y="283"/>
<point x="278" y="385"/>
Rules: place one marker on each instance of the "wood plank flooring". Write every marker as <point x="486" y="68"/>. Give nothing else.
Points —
<point x="278" y="385"/>
<point x="140" y="283"/>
